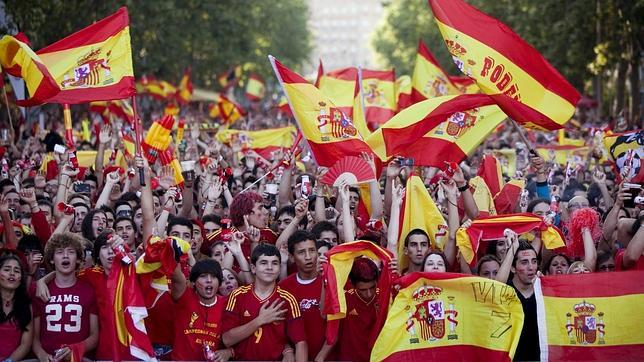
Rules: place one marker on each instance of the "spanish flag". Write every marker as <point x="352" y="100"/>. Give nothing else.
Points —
<point x="336" y="274"/>
<point x="128" y="313"/>
<point x="447" y="317"/>
<point x="420" y="212"/>
<point x="159" y="89"/>
<point x="230" y="78"/>
<point x="255" y="88"/>
<point x="340" y="87"/>
<point x="263" y="142"/>
<point x="591" y="317"/>
<point x="505" y="202"/>
<point x="625" y="149"/>
<point x="118" y="108"/>
<point x="521" y="81"/>
<point x="229" y="111"/>
<point x="482" y="197"/>
<point x="330" y="133"/>
<point x="450" y="126"/>
<point x="465" y="85"/>
<point x="403" y="92"/>
<point x="563" y="154"/>
<point x="17" y="59"/>
<point x="184" y="91"/>
<point x="429" y="79"/>
<point x="379" y="94"/>
<point x="490" y="172"/>
<point x="491" y="228"/>
<point x="93" y="64"/>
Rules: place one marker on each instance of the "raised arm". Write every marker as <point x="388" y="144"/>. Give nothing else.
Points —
<point x="599" y="178"/>
<point x="590" y="252"/>
<point x="111" y="180"/>
<point x="397" y="195"/>
<point x="374" y="189"/>
<point x="147" y="203"/>
<point x="451" y="194"/>
<point x="348" y="228"/>
<point x="506" y="266"/>
<point x="471" y="210"/>
<point x="635" y="248"/>
<point x="104" y="137"/>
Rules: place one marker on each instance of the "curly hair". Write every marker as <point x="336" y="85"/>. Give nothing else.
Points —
<point x="242" y="205"/>
<point x="61" y="241"/>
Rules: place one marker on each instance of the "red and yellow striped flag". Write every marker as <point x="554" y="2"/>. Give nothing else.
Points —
<point x="230" y="78"/>
<point x="465" y="85"/>
<point x="255" y="88"/>
<point x="336" y="274"/>
<point x="591" y="317"/>
<point x="451" y="126"/>
<point x="403" y="92"/>
<point x="340" y="87"/>
<point x="93" y="64"/>
<point x="521" y="81"/>
<point x="331" y="135"/>
<point x="490" y="172"/>
<point x="448" y="316"/>
<point x="229" y="111"/>
<point x="263" y="142"/>
<point x="379" y="94"/>
<point x="128" y="313"/>
<point x="491" y="228"/>
<point x="185" y="89"/>
<point x="17" y="59"/>
<point x="429" y="79"/>
<point x="419" y="212"/>
<point x="159" y="89"/>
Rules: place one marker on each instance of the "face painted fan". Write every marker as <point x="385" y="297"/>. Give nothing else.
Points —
<point x="354" y="170"/>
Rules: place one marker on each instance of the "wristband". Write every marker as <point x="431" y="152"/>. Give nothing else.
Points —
<point x="464" y="188"/>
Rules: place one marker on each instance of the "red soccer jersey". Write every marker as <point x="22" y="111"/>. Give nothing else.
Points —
<point x="195" y="326"/>
<point x="356" y="328"/>
<point x="64" y="319"/>
<point x="11" y="335"/>
<point x="268" y="342"/>
<point x="160" y="320"/>
<point x="307" y="296"/>
<point x="619" y="259"/>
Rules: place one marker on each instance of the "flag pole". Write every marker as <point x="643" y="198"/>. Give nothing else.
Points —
<point x="137" y="139"/>
<point x="6" y="99"/>
<point x="69" y="135"/>
<point x="523" y="137"/>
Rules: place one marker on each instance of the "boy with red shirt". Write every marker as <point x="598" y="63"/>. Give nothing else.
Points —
<point x="362" y="310"/>
<point x="306" y="287"/>
<point x="261" y="319"/>
<point x="70" y="316"/>
<point x="199" y="313"/>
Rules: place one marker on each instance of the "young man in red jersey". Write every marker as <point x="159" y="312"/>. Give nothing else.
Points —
<point x="199" y="313"/>
<point x="262" y="321"/>
<point x="70" y="316"/>
<point x="306" y="287"/>
<point x="362" y="310"/>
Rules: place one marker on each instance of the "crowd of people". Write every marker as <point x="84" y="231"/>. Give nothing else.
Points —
<point x="251" y="287"/>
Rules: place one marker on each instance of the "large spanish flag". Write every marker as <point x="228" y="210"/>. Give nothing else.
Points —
<point x="591" y="317"/>
<point x="340" y="87"/>
<point x="17" y="59"/>
<point x="330" y="133"/>
<point x="492" y="228"/>
<point x="521" y="81"/>
<point x="450" y="317"/>
<point x="379" y="93"/>
<point x="429" y="79"/>
<point x="93" y="64"/>
<point x="263" y="142"/>
<point x="420" y="212"/>
<point x="436" y="130"/>
<point x="336" y="274"/>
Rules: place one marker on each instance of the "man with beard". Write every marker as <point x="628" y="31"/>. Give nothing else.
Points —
<point x="70" y="315"/>
<point x="262" y="320"/>
<point x="198" y="314"/>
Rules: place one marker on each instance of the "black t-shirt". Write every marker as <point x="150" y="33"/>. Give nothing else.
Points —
<point x="528" y="348"/>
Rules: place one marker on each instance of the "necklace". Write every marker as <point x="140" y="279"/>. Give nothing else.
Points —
<point x="208" y="305"/>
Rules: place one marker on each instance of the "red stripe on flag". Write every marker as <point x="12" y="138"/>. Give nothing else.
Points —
<point x="386" y="75"/>
<point x="518" y="110"/>
<point x="95" y="33"/>
<point x="349" y="74"/>
<point x="449" y="353"/>
<point x="441" y="151"/>
<point x="326" y="154"/>
<point x="596" y="285"/>
<point x="125" y="88"/>
<point x="623" y="352"/>
<point x="470" y="20"/>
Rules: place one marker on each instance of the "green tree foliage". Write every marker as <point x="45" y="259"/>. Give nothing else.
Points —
<point x="565" y="32"/>
<point x="170" y="35"/>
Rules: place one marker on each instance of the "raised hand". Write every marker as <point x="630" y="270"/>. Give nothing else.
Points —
<point x="397" y="194"/>
<point x="215" y="189"/>
<point x="251" y="231"/>
<point x="368" y="157"/>
<point x="28" y="196"/>
<point x="166" y="178"/>
<point x="234" y="245"/>
<point x="105" y="134"/>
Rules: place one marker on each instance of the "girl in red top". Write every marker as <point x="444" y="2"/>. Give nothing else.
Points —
<point x="198" y="314"/>
<point x="16" y="323"/>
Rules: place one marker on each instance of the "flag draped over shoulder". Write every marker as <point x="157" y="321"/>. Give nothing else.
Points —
<point x="263" y="142"/>
<point x="450" y="126"/>
<point x="17" y="59"/>
<point x="521" y="81"/>
<point x="492" y="228"/>
<point x="128" y="312"/>
<point x="336" y="273"/>
<point x="591" y="317"/>
<point x="93" y="64"/>
<point x="330" y="133"/>
<point x="627" y="148"/>
<point x="429" y="79"/>
<point x="420" y="212"/>
<point x="447" y="316"/>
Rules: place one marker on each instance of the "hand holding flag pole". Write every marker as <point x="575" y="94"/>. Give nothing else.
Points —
<point x="525" y="139"/>
<point x="137" y="139"/>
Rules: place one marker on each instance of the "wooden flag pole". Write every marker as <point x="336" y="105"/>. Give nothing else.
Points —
<point x="137" y="139"/>
<point x="523" y="137"/>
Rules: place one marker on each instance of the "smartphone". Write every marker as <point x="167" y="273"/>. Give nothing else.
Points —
<point x="406" y="161"/>
<point x="306" y="186"/>
<point x="82" y="188"/>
